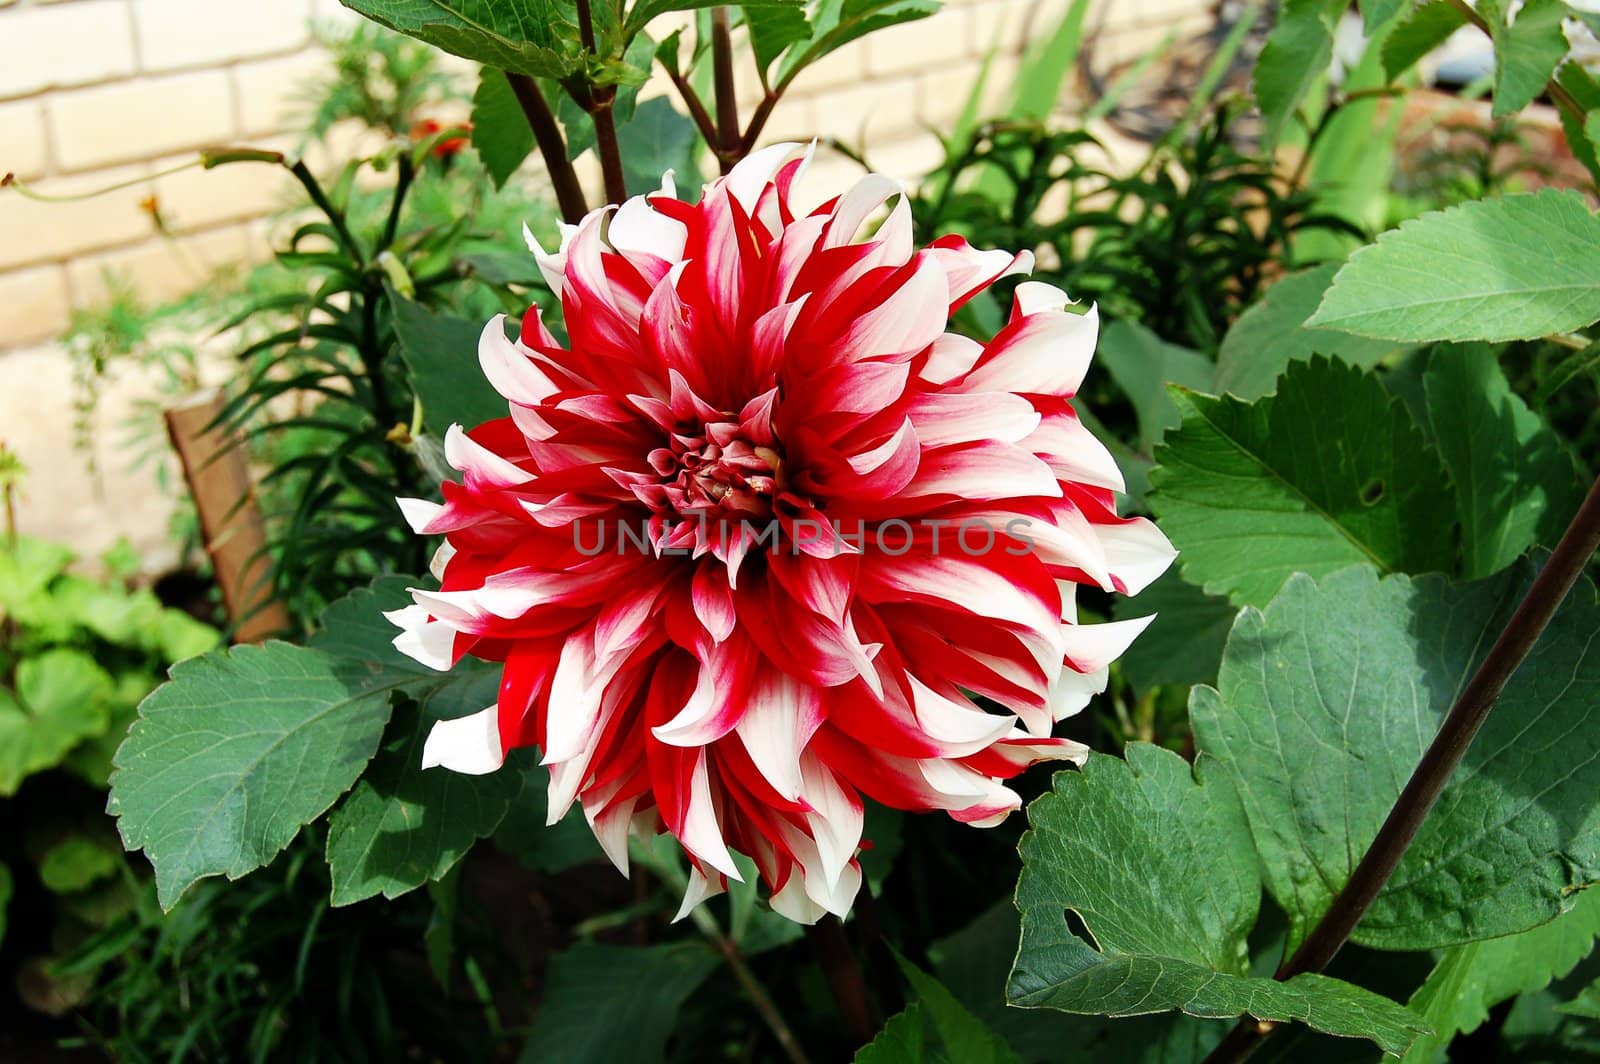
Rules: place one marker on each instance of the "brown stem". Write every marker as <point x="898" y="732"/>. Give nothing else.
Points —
<point x="552" y="147"/>
<point x="758" y="120"/>
<point x="839" y="966"/>
<point x="762" y="1000"/>
<point x="728" y="139"/>
<point x="586" y="27"/>
<point x="605" y="142"/>
<point x="1566" y="563"/>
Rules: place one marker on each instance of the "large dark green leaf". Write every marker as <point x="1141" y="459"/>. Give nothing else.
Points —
<point x="604" y="1004"/>
<point x="441" y="354"/>
<point x="1515" y="482"/>
<point x="1326" y="473"/>
<point x="238" y="751"/>
<point x="402" y="825"/>
<point x="657" y="138"/>
<point x="1513" y="268"/>
<point x="1323" y="707"/>
<point x="1273" y="333"/>
<point x="1158" y="868"/>
<point x="835" y="23"/>
<point x="537" y="37"/>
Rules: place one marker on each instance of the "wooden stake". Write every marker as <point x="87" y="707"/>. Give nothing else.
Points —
<point x="230" y="520"/>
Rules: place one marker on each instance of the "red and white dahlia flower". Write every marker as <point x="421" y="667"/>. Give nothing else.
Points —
<point x="748" y="544"/>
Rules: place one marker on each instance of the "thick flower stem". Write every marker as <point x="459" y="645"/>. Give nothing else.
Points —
<point x="605" y="142"/>
<point x="728" y="138"/>
<point x="843" y="972"/>
<point x="760" y="999"/>
<point x="552" y="147"/>
<point x="1566" y="563"/>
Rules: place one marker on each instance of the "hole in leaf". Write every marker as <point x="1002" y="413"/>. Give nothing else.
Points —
<point x="1080" y="930"/>
<point x="1372" y="494"/>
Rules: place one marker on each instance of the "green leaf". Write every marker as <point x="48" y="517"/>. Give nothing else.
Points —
<point x="1583" y="129"/>
<point x="1183" y="645"/>
<point x="1374" y="13"/>
<point x="646" y="10"/>
<point x="1323" y="707"/>
<point x="1273" y="333"/>
<point x="964" y="1036"/>
<point x="1297" y="54"/>
<point x="1158" y="868"/>
<point x="1427" y="27"/>
<point x="1527" y="51"/>
<point x="27" y="570"/>
<point x="402" y="826"/>
<point x="903" y="1040"/>
<point x="62" y="698"/>
<point x="1470" y="980"/>
<point x="1326" y="473"/>
<point x="609" y="1003"/>
<point x="500" y="131"/>
<point x="1515" y="483"/>
<point x="835" y="23"/>
<point x="1586" y="1004"/>
<point x="538" y="846"/>
<point x="238" y="751"/>
<point x="1513" y="268"/>
<point x="77" y="862"/>
<point x="774" y="28"/>
<point x="441" y="355"/>
<point x="1143" y="364"/>
<point x="536" y="37"/>
<point x="657" y="139"/>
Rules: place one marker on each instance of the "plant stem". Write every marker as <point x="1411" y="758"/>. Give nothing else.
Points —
<point x="552" y="147"/>
<point x="697" y="109"/>
<point x="1461" y="724"/>
<point x="760" y="998"/>
<point x="402" y="185"/>
<point x="839" y="966"/>
<point x="758" y="121"/>
<point x="728" y="138"/>
<point x="308" y="181"/>
<point x="605" y="142"/>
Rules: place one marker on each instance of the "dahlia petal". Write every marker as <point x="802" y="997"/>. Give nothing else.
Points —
<point x="423" y="640"/>
<point x="698" y="890"/>
<point x="702" y="835"/>
<point x="945" y="419"/>
<point x="1045" y="352"/>
<point x="712" y="599"/>
<point x="1091" y="647"/>
<point x="970" y="270"/>
<point x="752" y="173"/>
<point x="951" y="357"/>
<point x="636" y="226"/>
<point x="1136" y="552"/>
<point x="1069" y="694"/>
<point x="960" y="726"/>
<point x="419" y="513"/>
<point x="908" y="321"/>
<point x="481" y="465"/>
<point x="792" y="901"/>
<point x="979" y="471"/>
<point x="610" y="823"/>
<point x="441" y="560"/>
<point x="469" y="745"/>
<point x="835" y="822"/>
<point x="576" y="691"/>
<point x="1073" y="452"/>
<point x="869" y="193"/>
<point x="509" y="369"/>
<point x="783" y="715"/>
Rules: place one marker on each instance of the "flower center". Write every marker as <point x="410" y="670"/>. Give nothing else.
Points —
<point x="721" y="472"/>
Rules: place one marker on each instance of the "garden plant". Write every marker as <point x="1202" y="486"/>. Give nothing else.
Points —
<point x="1051" y="610"/>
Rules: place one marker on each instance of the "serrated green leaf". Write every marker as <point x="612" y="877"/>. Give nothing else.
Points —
<point x="1470" y="980"/>
<point x="1273" y="333"/>
<point x="77" y="862"/>
<point x="657" y="138"/>
<point x="238" y="751"/>
<point x="1514" y="268"/>
<point x="1515" y="482"/>
<point x="1159" y="869"/>
<point x="1143" y="364"/>
<point x="1327" y="473"/>
<point x="903" y="1040"/>
<point x="536" y="37"/>
<point x="646" y="10"/>
<point x="608" y="1003"/>
<point x="1297" y="54"/>
<point x="500" y="131"/>
<point x="1527" y="50"/>
<point x="963" y="1035"/>
<point x="1183" y="645"/>
<point x="774" y="28"/>
<point x="1323" y="707"/>
<point x="62" y="698"/>
<point x="835" y="23"/>
<point x="441" y="357"/>
<point x="1374" y="13"/>
<point x="1427" y="27"/>
<point x="403" y="826"/>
